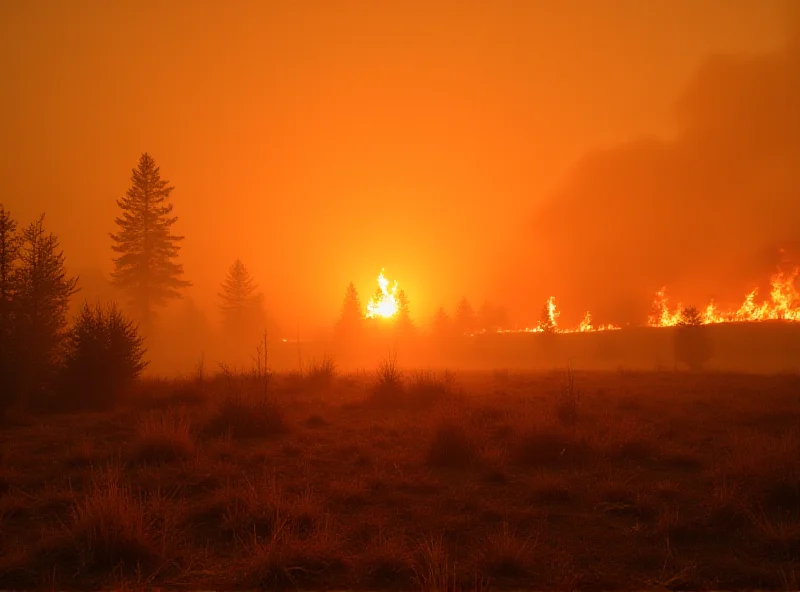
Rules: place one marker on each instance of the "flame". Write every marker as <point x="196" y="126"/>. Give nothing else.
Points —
<point x="783" y="304"/>
<point x="586" y="323"/>
<point x="384" y="303"/>
<point x="553" y="313"/>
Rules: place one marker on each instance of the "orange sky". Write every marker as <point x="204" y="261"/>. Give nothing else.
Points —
<point x="320" y="141"/>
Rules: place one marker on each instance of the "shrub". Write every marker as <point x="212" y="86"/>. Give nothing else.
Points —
<point x="389" y="381"/>
<point x="243" y="416"/>
<point x="428" y="387"/>
<point x="322" y="372"/>
<point x="104" y="356"/>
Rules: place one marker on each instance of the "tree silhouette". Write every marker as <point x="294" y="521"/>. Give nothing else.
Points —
<point x="465" y="321"/>
<point x="403" y="323"/>
<point x="145" y="267"/>
<point x="104" y="355"/>
<point x="240" y="301"/>
<point x="350" y="325"/>
<point x="547" y="320"/>
<point x="442" y="325"/>
<point x="9" y="252"/>
<point x="42" y="293"/>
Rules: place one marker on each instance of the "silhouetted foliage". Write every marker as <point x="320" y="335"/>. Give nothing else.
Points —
<point x="692" y="344"/>
<point x="350" y="325"/>
<point x="403" y="323"/>
<point x="42" y="289"/>
<point x="241" y="305"/>
<point x="465" y="319"/>
<point x="105" y="354"/>
<point x="442" y="327"/>
<point x="147" y="248"/>
<point x="9" y="252"/>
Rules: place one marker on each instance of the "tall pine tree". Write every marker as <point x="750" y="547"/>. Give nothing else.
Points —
<point x="241" y="305"/>
<point x="41" y="300"/>
<point x="147" y="248"/>
<point x="9" y="251"/>
<point x="350" y="325"/>
<point x="403" y="323"/>
<point x="465" y="321"/>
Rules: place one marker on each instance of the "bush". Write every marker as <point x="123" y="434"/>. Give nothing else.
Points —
<point x="389" y="380"/>
<point x="104" y="356"/>
<point x="246" y="415"/>
<point x="321" y="373"/>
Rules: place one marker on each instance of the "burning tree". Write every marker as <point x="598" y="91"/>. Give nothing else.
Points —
<point x="146" y="246"/>
<point x="548" y="319"/>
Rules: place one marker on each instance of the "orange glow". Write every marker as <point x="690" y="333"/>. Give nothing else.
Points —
<point x="783" y="304"/>
<point x="384" y="303"/>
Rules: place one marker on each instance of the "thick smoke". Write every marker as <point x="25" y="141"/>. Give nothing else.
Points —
<point x="705" y="213"/>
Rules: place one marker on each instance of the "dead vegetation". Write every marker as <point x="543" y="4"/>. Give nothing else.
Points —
<point x="412" y="480"/>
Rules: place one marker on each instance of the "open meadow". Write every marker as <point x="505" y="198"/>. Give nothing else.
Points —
<point x="558" y="480"/>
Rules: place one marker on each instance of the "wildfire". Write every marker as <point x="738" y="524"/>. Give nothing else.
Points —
<point x="783" y="303"/>
<point x="548" y="323"/>
<point x="384" y="303"/>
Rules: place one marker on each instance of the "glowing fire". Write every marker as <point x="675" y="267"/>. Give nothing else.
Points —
<point x="783" y="304"/>
<point x="550" y="324"/>
<point x="384" y="303"/>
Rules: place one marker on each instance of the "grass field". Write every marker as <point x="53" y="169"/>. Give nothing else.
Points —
<point x="556" y="480"/>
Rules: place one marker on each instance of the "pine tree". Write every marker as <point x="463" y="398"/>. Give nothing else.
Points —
<point x="147" y="248"/>
<point x="105" y="354"/>
<point x="403" y="323"/>
<point x="350" y="325"/>
<point x="547" y="320"/>
<point x="9" y="252"/>
<point x="43" y="289"/>
<point x="465" y="320"/>
<point x="442" y="325"/>
<point x="240" y="303"/>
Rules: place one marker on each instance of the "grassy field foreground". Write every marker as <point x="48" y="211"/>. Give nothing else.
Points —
<point x="425" y="481"/>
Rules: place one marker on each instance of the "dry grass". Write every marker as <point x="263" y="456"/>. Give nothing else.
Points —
<point x="163" y="437"/>
<point x="246" y="416"/>
<point x="412" y="481"/>
<point x="321" y="373"/>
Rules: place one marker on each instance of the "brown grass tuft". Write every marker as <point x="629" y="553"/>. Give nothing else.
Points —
<point x="504" y="555"/>
<point x="111" y="528"/>
<point x="163" y="437"/>
<point x="243" y="416"/>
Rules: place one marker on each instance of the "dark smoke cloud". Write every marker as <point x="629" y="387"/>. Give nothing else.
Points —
<point x="705" y="213"/>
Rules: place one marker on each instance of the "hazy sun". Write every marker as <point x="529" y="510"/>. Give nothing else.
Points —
<point x="384" y="302"/>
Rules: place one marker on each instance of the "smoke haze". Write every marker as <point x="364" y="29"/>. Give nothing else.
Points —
<point x="590" y="150"/>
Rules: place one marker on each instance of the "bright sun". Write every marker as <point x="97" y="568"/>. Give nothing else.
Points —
<point x="384" y="303"/>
